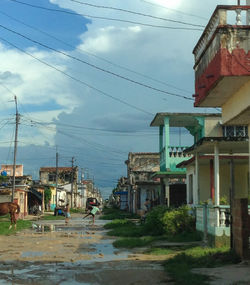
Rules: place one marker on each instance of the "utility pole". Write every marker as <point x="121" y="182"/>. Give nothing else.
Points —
<point x="15" y="152"/>
<point x="72" y="180"/>
<point x="56" y="175"/>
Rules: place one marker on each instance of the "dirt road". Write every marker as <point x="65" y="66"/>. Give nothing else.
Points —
<point x="53" y="253"/>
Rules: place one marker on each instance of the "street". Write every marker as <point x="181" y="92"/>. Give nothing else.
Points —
<point x="79" y="253"/>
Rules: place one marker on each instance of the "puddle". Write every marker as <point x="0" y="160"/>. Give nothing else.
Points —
<point x="32" y="254"/>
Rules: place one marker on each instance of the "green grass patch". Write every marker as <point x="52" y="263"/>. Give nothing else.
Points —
<point x="160" y="251"/>
<point x="52" y="217"/>
<point x="77" y="211"/>
<point x="21" y="225"/>
<point x="112" y="214"/>
<point x="118" y="223"/>
<point x="133" y="242"/>
<point x="179" y="267"/>
<point x="185" y="237"/>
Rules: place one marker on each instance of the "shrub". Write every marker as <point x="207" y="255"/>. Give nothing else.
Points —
<point x="178" y="221"/>
<point x="154" y="224"/>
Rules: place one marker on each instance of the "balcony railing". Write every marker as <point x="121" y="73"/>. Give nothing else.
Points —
<point x="176" y="155"/>
<point x="211" y="215"/>
<point x="223" y="16"/>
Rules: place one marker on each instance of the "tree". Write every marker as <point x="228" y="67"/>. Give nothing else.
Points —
<point x="47" y="197"/>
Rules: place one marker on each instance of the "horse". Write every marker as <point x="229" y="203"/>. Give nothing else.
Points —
<point x="12" y="209"/>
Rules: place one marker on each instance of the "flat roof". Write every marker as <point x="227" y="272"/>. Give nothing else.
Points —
<point x="180" y="119"/>
<point x="226" y="145"/>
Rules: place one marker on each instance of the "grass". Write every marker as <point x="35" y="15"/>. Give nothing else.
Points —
<point x="52" y="217"/>
<point x="133" y="242"/>
<point x="179" y="267"/>
<point x="77" y="211"/>
<point x="185" y="237"/>
<point x="21" y="225"/>
<point x="112" y="214"/>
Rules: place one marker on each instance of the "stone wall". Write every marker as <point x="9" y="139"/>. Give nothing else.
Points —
<point x="241" y="223"/>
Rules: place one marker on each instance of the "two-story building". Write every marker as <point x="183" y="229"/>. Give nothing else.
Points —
<point x="222" y="70"/>
<point x="173" y="179"/>
<point x="141" y="185"/>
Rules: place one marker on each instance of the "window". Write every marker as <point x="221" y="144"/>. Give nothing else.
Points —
<point x="52" y="177"/>
<point x="235" y="131"/>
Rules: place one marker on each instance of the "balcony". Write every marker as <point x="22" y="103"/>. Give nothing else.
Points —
<point x="222" y="57"/>
<point x="176" y="155"/>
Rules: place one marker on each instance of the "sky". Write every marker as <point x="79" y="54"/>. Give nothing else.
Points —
<point x="89" y="79"/>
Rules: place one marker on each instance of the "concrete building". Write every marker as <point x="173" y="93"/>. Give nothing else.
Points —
<point x="141" y="186"/>
<point x="222" y="70"/>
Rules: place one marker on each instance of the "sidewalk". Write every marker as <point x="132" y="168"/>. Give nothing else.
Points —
<point x="227" y="275"/>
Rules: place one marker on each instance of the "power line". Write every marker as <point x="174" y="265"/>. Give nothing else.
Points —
<point x="79" y="80"/>
<point x="174" y="10"/>
<point x="94" y="55"/>
<point x="97" y="67"/>
<point x="105" y="18"/>
<point x="136" y="13"/>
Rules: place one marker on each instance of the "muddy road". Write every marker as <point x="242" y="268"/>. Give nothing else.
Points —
<point x="79" y="253"/>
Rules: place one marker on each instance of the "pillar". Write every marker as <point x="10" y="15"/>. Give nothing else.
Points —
<point x="217" y="183"/>
<point x="167" y="142"/>
<point x="196" y="188"/>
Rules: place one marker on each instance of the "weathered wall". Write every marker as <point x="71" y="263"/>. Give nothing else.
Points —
<point x="213" y="127"/>
<point x="236" y="105"/>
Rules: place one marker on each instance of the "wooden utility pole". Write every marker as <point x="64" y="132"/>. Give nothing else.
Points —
<point x="15" y="152"/>
<point x="56" y="176"/>
<point x="72" y="181"/>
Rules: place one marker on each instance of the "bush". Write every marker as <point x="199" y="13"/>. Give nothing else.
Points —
<point x="154" y="223"/>
<point x="178" y="221"/>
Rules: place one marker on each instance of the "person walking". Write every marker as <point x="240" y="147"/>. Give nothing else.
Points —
<point x="67" y="213"/>
<point x="92" y="211"/>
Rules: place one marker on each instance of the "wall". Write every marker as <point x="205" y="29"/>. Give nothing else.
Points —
<point x="213" y="127"/>
<point x="237" y="104"/>
<point x="241" y="177"/>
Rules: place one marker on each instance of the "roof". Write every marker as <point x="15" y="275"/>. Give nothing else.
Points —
<point x="205" y="158"/>
<point x="180" y="119"/>
<point x="52" y="169"/>
<point x="169" y="174"/>
<point x="227" y="145"/>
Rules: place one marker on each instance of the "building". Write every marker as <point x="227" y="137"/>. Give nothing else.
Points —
<point x="222" y="70"/>
<point x="141" y="186"/>
<point x="173" y="179"/>
<point x="67" y="179"/>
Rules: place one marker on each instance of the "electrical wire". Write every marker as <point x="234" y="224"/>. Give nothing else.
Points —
<point x="174" y="10"/>
<point x="92" y="54"/>
<point x="106" y="18"/>
<point x="97" y="67"/>
<point x="136" y="13"/>
<point x="79" y="80"/>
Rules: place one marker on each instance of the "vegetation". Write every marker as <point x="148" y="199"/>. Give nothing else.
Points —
<point x="133" y="242"/>
<point x="47" y="197"/>
<point x="161" y="223"/>
<point x="113" y="213"/>
<point x="21" y="224"/>
<point x="180" y="265"/>
<point x="77" y="211"/>
<point x="48" y="217"/>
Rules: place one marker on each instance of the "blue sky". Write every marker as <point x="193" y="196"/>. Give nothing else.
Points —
<point x="88" y="114"/>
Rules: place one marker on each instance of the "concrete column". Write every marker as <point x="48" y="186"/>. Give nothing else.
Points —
<point x="248" y="13"/>
<point x="217" y="183"/>
<point x="196" y="184"/>
<point x="167" y="195"/>
<point x="160" y="138"/>
<point x="167" y="142"/>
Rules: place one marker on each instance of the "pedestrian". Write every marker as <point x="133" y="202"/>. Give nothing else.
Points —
<point x="92" y="211"/>
<point x="67" y="213"/>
